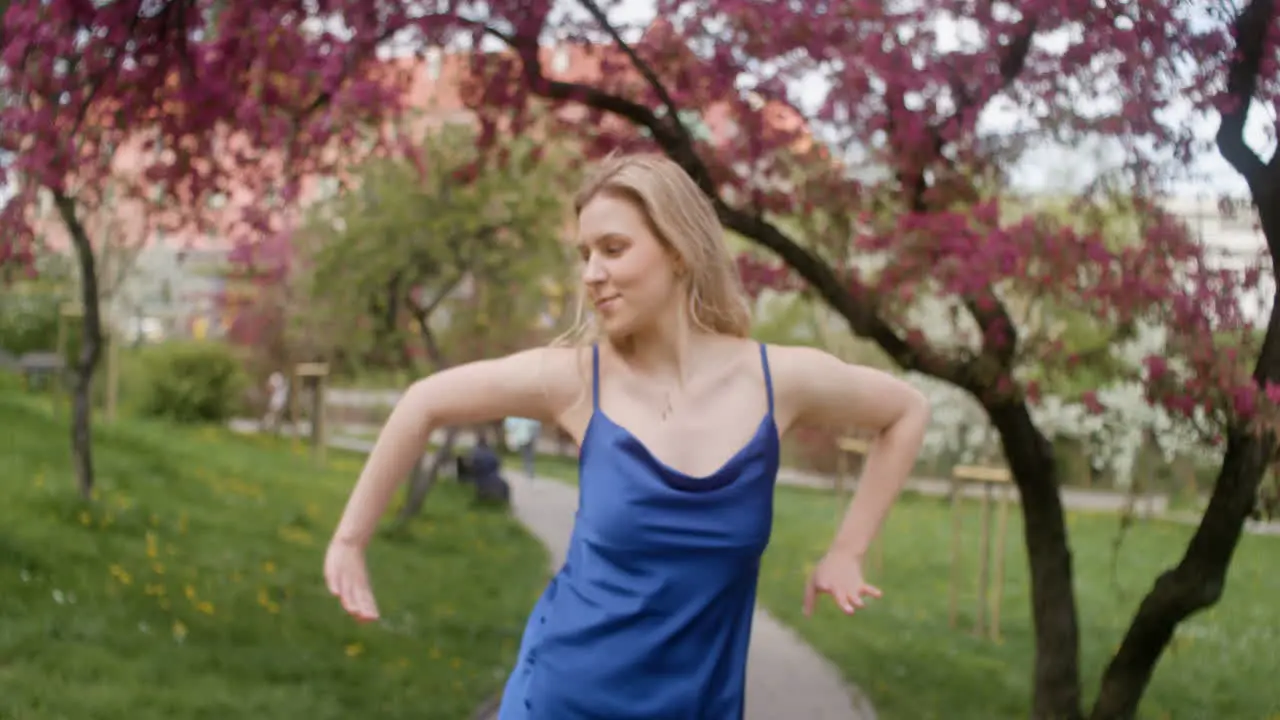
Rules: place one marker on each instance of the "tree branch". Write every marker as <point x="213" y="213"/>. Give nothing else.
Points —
<point x="673" y="113"/>
<point x="1250" y="30"/>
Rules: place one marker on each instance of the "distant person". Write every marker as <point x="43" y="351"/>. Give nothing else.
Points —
<point x="483" y="468"/>
<point x="522" y="435"/>
<point x="679" y="417"/>
<point x="277" y="397"/>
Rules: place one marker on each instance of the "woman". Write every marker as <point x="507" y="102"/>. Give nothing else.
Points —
<point x="679" y="418"/>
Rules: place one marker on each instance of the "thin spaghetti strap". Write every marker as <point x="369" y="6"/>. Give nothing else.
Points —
<point x="595" y="377"/>
<point x="768" y="377"/>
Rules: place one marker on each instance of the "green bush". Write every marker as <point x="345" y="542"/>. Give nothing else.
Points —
<point x="28" y="323"/>
<point x="190" y="382"/>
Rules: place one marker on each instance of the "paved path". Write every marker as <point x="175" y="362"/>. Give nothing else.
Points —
<point x="785" y="677"/>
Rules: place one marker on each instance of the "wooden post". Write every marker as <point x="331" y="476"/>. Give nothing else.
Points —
<point x="987" y="621"/>
<point x="313" y="375"/>
<point x="1002" y="530"/>
<point x="956" y="540"/>
<point x="984" y="562"/>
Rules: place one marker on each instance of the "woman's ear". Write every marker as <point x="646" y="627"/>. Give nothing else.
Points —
<point x="677" y="265"/>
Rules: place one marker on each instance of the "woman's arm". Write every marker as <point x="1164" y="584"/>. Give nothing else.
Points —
<point x="528" y="384"/>
<point x="823" y="390"/>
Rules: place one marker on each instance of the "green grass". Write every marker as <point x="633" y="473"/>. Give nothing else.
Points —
<point x="914" y="666"/>
<point x="191" y="587"/>
<point x="1222" y="663"/>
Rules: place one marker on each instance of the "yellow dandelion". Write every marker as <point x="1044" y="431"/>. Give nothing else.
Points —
<point x="205" y="607"/>
<point x="455" y="663"/>
<point x="157" y="568"/>
<point x="189" y="591"/>
<point x="121" y="575"/>
<point x="153" y="548"/>
<point x="179" y="630"/>
<point x="269" y="567"/>
<point x="85" y="518"/>
<point x="354" y="650"/>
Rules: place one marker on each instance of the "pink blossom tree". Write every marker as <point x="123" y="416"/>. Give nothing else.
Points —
<point x="169" y="103"/>
<point x="901" y="209"/>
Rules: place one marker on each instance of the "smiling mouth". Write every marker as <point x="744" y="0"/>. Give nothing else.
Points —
<point x="602" y="302"/>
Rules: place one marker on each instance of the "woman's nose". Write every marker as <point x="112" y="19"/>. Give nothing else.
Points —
<point x="593" y="270"/>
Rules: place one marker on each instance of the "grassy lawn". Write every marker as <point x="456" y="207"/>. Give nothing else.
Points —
<point x="1222" y="664"/>
<point x="191" y="587"/>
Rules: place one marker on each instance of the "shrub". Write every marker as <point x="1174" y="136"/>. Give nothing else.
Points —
<point x="28" y="323"/>
<point x="190" y="382"/>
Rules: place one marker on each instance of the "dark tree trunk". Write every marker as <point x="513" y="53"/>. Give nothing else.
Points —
<point x="1056" y="693"/>
<point x="86" y="362"/>
<point x="1197" y="581"/>
<point x="424" y="479"/>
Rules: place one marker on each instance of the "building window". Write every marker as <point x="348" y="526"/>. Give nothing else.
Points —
<point x="560" y="60"/>
<point x="435" y="61"/>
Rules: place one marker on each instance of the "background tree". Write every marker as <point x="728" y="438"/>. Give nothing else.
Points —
<point x="141" y="97"/>
<point x="447" y="254"/>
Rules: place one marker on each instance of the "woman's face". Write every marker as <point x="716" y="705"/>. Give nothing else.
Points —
<point x="630" y="276"/>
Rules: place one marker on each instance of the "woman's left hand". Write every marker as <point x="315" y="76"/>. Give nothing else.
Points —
<point x="840" y="576"/>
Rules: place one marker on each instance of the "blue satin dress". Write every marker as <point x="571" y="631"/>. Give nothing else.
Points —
<point x="650" y="616"/>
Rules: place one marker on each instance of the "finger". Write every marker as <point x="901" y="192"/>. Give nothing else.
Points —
<point x="368" y="606"/>
<point x="872" y="591"/>
<point x="349" y="596"/>
<point x="810" y="594"/>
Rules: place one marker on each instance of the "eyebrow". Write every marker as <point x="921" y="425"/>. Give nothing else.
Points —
<point x="604" y="237"/>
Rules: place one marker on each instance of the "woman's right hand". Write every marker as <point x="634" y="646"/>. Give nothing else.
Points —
<point x="348" y="578"/>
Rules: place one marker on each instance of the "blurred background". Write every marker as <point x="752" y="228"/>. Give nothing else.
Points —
<point x="233" y="233"/>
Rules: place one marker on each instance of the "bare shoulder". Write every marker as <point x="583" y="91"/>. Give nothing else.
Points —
<point x="814" y="387"/>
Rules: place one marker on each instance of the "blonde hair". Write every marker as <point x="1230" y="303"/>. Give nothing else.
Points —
<point x="685" y="222"/>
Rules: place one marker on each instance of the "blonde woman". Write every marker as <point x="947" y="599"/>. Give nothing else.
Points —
<point x="679" y="417"/>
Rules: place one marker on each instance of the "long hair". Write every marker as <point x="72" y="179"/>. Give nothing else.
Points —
<point x="685" y="222"/>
